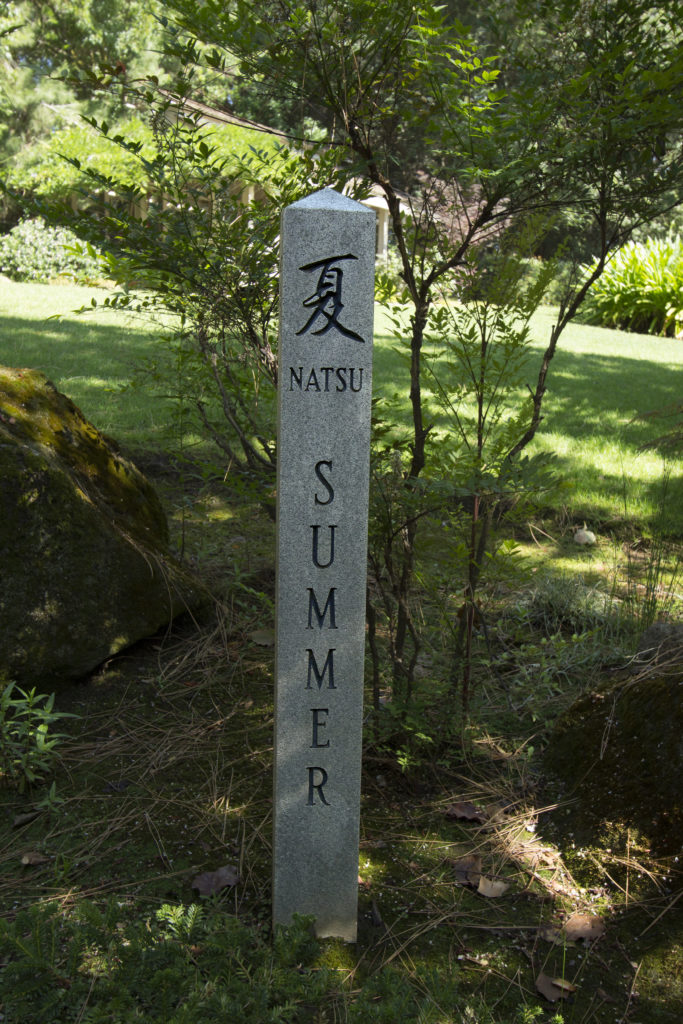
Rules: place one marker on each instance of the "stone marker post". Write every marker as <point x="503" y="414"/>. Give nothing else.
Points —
<point x="325" y="379"/>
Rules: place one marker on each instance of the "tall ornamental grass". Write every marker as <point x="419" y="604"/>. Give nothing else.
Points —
<point x="640" y="290"/>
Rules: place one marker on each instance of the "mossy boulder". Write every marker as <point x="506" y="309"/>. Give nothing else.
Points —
<point x="661" y="646"/>
<point x="83" y="540"/>
<point x="618" y="753"/>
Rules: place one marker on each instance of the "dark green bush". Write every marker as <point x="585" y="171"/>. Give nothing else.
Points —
<point x="33" y="251"/>
<point x="641" y="289"/>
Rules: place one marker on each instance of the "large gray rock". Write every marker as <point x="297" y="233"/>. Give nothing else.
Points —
<point x="84" y="557"/>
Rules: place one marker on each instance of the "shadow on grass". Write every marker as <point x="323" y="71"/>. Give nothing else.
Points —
<point x="592" y="422"/>
<point x="587" y="394"/>
<point x="593" y="413"/>
<point x="613" y="499"/>
<point x="93" y="363"/>
<point x="65" y="347"/>
<point x="598" y="394"/>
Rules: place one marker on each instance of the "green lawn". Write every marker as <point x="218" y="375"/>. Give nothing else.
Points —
<point x="90" y="357"/>
<point x="599" y="383"/>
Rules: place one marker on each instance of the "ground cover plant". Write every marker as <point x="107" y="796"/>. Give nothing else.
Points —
<point x="136" y="879"/>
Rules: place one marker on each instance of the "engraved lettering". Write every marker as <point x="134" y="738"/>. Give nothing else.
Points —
<point x="318" y="723"/>
<point x="313" y="785"/>
<point x="326" y="300"/>
<point x="328" y="667"/>
<point x="316" y="559"/>
<point x="312" y="382"/>
<point x="326" y="378"/>
<point x="314" y="609"/>
<point x="326" y="483"/>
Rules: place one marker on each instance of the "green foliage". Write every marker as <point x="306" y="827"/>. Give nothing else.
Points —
<point x="34" y="251"/>
<point x="195" y="965"/>
<point x="183" y="965"/>
<point x="564" y="274"/>
<point x="479" y="366"/>
<point x="28" y="746"/>
<point x="204" y="250"/>
<point x="50" y="167"/>
<point x="57" y="166"/>
<point x="579" y="126"/>
<point x="38" y="40"/>
<point x="30" y="101"/>
<point x="428" y="87"/>
<point x="641" y="289"/>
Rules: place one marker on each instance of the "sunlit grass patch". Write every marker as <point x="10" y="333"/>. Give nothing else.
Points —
<point x="92" y="357"/>
<point x="601" y="384"/>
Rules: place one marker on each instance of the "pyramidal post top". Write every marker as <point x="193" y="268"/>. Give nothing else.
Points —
<point x="329" y="199"/>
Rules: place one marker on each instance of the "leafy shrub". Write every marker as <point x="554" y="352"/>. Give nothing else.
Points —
<point x="27" y="746"/>
<point x="641" y="289"/>
<point x="57" y="167"/>
<point x="33" y="251"/>
<point x="202" y="251"/>
<point x="48" y="167"/>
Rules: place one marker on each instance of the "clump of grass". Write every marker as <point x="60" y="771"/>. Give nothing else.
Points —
<point x="566" y="604"/>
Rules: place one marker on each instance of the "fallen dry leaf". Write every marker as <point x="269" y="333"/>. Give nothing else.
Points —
<point x="263" y="637"/>
<point x="554" y="988"/>
<point x="492" y="887"/>
<point x="583" y="926"/>
<point x="25" y="818"/>
<point x="468" y="869"/>
<point x="33" y="858"/>
<point x="464" y="809"/>
<point x="211" y="882"/>
<point x="551" y="932"/>
<point x="495" y="812"/>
